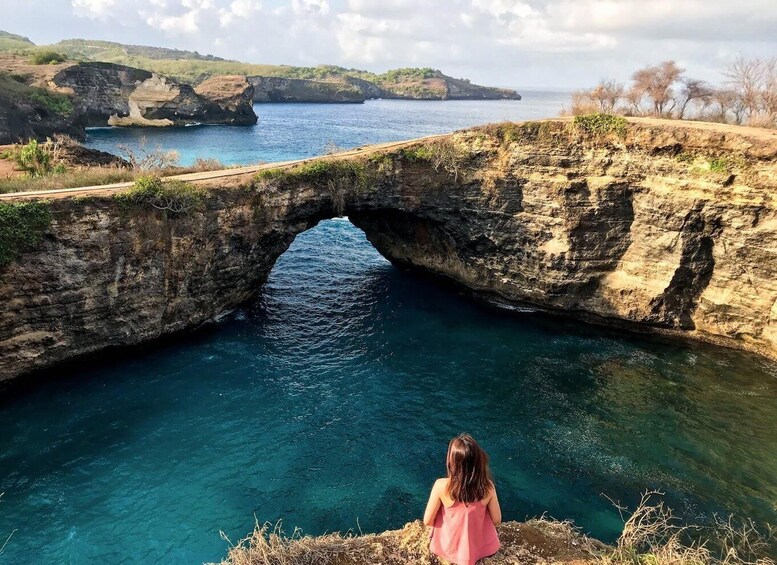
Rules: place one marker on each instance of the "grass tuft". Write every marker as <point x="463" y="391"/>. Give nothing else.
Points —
<point x="602" y="124"/>
<point x="173" y="197"/>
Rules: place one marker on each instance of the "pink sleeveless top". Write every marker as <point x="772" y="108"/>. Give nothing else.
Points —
<point x="462" y="534"/>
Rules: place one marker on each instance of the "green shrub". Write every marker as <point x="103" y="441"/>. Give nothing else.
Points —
<point x="602" y="124"/>
<point x="53" y="102"/>
<point x="173" y="197"/>
<point x="33" y="158"/>
<point x="415" y="153"/>
<point x="685" y="157"/>
<point x="47" y="57"/>
<point x="22" y="227"/>
<point x="720" y="165"/>
<point x="320" y="173"/>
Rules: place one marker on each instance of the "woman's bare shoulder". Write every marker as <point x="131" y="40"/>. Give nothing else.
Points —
<point x="441" y="483"/>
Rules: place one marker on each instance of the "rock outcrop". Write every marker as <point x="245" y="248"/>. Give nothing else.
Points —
<point x="109" y="94"/>
<point x="348" y="89"/>
<point x="278" y="89"/>
<point x="233" y="94"/>
<point x="32" y="113"/>
<point x="656" y="226"/>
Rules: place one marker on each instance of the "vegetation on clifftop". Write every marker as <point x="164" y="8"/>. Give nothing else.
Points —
<point x="192" y="67"/>
<point x="650" y="536"/>
<point x="13" y="90"/>
<point x="22" y="227"/>
<point x="747" y="95"/>
<point x="320" y="173"/>
<point x="601" y="124"/>
<point x="173" y="197"/>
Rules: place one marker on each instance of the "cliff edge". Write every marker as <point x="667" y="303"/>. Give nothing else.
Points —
<point x="647" y="225"/>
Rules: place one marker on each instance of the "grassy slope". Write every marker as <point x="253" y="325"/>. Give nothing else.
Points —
<point x="11" y="41"/>
<point x="14" y="90"/>
<point x="192" y="67"/>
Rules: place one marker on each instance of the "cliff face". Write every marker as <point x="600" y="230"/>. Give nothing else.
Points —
<point x="233" y="94"/>
<point x="108" y="94"/>
<point x="664" y="226"/>
<point x="277" y="89"/>
<point x="355" y="90"/>
<point x="442" y="87"/>
<point x="27" y="112"/>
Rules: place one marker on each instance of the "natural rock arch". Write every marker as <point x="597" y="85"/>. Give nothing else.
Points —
<point x="639" y="226"/>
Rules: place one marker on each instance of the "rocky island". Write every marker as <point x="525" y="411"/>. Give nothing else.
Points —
<point x="655" y="226"/>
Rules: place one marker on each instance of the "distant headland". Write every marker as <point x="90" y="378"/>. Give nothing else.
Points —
<point x="77" y="83"/>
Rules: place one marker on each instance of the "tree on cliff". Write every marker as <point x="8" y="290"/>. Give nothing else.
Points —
<point x="749" y="94"/>
<point x="656" y="83"/>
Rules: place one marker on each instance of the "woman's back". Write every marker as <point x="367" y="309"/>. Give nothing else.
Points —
<point x="463" y="507"/>
<point x="463" y="533"/>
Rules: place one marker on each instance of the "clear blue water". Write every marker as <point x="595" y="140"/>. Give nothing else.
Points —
<point x="295" y="131"/>
<point x="328" y="402"/>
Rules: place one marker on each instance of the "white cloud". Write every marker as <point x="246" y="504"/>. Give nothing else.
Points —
<point x="508" y="42"/>
<point x="238" y="10"/>
<point x="93" y="8"/>
<point x="310" y="7"/>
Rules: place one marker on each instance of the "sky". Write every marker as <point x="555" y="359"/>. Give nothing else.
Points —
<point x="513" y="43"/>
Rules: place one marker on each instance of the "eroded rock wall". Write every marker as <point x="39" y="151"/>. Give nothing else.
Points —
<point x="110" y="94"/>
<point x="661" y="226"/>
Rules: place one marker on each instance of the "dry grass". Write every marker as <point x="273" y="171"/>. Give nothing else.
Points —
<point x="539" y="541"/>
<point x="69" y="173"/>
<point x="69" y="179"/>
<point x="651" y="536"/>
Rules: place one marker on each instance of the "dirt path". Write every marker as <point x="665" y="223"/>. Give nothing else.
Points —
<point x="105" y="189"/>
<point x="754" y="133"/>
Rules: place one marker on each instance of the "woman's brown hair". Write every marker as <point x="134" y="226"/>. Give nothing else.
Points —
<point x="468" y="473"/>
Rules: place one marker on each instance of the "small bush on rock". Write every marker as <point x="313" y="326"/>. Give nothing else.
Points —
<point x="47" y="57"/>
<point x="173" y="197"/>
<point x="602" y="124"/>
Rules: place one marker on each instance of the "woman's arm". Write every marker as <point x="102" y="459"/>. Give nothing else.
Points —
<point x="494" y="510"/>
<point x="433" y="505"/>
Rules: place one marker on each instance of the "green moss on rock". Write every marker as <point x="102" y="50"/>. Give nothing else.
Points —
<point x="320" y="173"/>
<point x="602" y="124"/>
<point x="22" y="227"/>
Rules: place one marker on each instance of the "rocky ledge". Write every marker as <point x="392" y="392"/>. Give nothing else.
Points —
<point x="278" y="89"/>
<point x="433" y="85"/>
<point x="109" y="94"/>
<point x="655" y="226"/>
<point x="36" y="102"/>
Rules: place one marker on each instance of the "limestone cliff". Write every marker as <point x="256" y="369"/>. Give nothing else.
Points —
<point x="279" y="89"/>
<point x="109" y="94"/>
<point x="657" y="226"/>
<point x="29" y="112"/>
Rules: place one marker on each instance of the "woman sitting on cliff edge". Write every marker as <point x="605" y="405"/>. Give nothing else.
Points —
<point x="463" y="508"/>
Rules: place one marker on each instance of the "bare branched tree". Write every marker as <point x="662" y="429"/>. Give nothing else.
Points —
<point x="608" y="94"/>
<point x="634" y="98"/>
<point x="656" y="83"/>
<point x="693" y="90"/>
<point x="144" y="159"/>
<point x="745" y="77"/>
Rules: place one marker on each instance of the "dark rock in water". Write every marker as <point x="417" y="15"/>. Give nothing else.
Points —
<point x="109" y="94"/>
